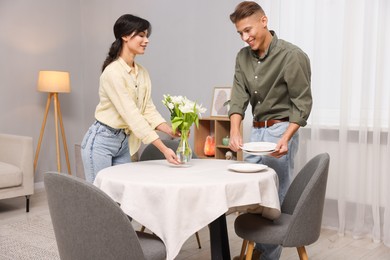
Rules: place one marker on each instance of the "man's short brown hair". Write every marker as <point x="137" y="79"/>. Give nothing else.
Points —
<point x="245" y="9"/>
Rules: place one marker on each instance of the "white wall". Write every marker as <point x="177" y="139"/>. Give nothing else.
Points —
<point x="192" y="49"/>
<point x="39" y="35"/>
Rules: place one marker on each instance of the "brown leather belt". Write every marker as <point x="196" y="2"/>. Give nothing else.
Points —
<point x="268" y="123"/>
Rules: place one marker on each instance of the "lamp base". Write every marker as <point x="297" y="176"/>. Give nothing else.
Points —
<point x="57" y="117"/>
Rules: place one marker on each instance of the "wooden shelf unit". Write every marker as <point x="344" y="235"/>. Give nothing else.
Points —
<point x="219" y="127"/>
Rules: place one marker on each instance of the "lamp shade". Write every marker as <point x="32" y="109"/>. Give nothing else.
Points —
<point x="54" y="81"/>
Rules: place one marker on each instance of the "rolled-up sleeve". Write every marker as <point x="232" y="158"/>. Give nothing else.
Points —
<point x="239" y="98"/>
<point x="298" y="78"/>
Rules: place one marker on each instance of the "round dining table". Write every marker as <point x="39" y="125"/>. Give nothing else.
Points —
<point x="176" y="201"/>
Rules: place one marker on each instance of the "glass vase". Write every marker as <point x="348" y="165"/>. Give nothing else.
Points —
<point x="184" y="152"/>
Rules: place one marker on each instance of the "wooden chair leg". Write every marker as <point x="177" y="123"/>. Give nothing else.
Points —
<point x="198" y="240"/>
<point x="249" y="251"/>
<point x="243" y="249"/>
<point x="302" y="253"/>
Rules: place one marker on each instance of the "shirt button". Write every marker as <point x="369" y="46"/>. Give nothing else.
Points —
<point x="255" y="91"/>
<point x="258" y="102"/>
<point x="258" y="61"/>
<point x="255" y="77"/>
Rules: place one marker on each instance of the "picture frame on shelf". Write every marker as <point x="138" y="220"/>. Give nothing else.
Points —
<point x="219" y="106"/>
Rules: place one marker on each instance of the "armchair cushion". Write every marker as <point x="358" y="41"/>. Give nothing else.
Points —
<point x="10" y="175"/>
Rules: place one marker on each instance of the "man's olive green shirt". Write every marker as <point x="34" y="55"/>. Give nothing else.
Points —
<point x="277" y="85"/>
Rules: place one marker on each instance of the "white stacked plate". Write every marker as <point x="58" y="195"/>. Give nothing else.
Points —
<point x="258" y="148"/>
<point x="246" y="167"/>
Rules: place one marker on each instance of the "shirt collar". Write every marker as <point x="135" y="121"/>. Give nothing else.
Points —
<point x="127" y="67"/>
<point x="270" y="47"/>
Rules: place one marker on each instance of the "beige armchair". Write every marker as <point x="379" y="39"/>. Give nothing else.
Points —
<point x="16" y="167"/>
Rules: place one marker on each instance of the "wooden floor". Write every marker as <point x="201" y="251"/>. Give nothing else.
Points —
<point x="329" y="246"/>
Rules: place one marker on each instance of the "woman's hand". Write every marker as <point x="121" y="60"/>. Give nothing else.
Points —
<point x="169" y="154"/>
<point x="175" y="134"/>
<point x="164" y="127"/>
<point x="171" y="157"/>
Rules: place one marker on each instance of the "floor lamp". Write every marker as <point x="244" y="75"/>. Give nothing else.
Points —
<point x="54" y="82"/>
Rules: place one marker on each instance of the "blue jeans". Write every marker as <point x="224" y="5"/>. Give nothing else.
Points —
<point x="283" y="166"/>
<point x="102" y="147"/>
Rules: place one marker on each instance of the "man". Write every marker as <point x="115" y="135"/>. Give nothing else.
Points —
<point x="274" y="76"/>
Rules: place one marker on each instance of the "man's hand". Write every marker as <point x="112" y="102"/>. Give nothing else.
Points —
<point x="282" y="145"/>
<point x="235" y="141"/>
<point x="280" y="149"/>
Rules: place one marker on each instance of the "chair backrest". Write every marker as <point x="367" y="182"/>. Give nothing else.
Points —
<point x="152" y="153"/>
<point x="305" y="202"/>
<point x="87" y="223"/>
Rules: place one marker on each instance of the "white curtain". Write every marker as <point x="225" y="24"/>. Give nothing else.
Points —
<point x="348" y="43"/>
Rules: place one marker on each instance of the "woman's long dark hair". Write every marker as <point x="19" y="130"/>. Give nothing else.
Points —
<point x="124" y="26"/>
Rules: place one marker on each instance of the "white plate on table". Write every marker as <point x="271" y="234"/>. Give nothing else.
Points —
<point x="182" y="165"/>
<point x="258" y="147"/>
<point x="246" y="167"/>
<point x="259" y="153"/>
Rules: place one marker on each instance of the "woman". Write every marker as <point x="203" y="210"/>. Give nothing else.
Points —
<point x="125" y="115"/>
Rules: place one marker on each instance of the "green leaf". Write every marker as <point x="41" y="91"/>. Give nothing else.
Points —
<point x="176" y="122"/>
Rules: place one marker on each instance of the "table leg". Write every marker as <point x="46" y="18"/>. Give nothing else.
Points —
<point x="219" y="240"/>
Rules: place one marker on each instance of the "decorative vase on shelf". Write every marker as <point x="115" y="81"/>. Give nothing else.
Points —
<point x="184" y="152"/>
<point x="225" y="141"/>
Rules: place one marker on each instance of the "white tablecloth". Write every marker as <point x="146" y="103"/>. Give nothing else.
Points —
<point x="175" y="202"/>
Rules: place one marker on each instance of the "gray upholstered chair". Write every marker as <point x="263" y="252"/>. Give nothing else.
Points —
<point x="152" y="153"/>
<point x="88" y="224"/>
<point x="300" y="222"/>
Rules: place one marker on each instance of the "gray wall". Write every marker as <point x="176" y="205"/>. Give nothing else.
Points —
<point x="192" y="49"/>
